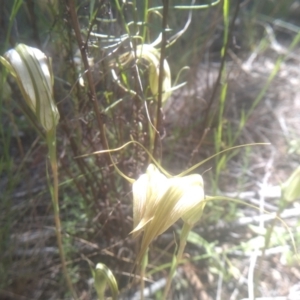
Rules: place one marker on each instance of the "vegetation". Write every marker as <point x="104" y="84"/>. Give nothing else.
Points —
<point x="110" y="111"/>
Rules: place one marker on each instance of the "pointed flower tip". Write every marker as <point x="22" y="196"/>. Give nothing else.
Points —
<point x="33" y="73"/>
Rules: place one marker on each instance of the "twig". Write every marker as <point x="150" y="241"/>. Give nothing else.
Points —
<point x="288" y="213"/>
<point x="92" y="94"/>
<point x="296" y="297"/>
<point x="240" y="282"/>
<point x="214" y="92"/>
<point x="161" y="74"/>
<point x="220" y="281"/>
<point x="268" y="252"/>
<point x="253" y="280"/>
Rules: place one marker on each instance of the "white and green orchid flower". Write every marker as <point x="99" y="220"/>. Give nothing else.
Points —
<point x="33" y="72"/>
<point x="151" y="55"/>
<point x="158" y="202"/>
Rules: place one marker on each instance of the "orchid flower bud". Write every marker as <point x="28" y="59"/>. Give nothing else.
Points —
<point x="33" y="72"/>
<point x="104" y="277"/>
<point x="152" y="56"/>
<point x="160" y="201"/>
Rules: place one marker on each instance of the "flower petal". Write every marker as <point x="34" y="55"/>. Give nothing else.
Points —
<point x="183" y="198"/>
<point x="33" y="72"/>
<point x="22" y="76"/>
<point x="147" y="192"/>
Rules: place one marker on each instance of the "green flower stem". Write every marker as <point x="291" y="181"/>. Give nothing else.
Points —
<point x="183" y="238"/>
<point x="158" y="118"/>
<point x="143" y="273"/>
<point x="51" y="142"/>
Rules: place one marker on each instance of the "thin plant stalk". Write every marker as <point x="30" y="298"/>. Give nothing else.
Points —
<point x="71" y="8"/>
<point x="51" y="142"/>
<point x="183" y="239"/>
<point x="16" y="6"/>
<point x="188" y="7"/>
<point x="161" y="72"/>
<point x="143" y="273"/>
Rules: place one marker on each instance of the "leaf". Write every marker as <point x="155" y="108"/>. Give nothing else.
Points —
<point x="291" y="188"/>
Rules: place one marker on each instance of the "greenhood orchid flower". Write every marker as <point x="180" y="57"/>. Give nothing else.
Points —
<point x="152" y="56"/>
<point x="158" y="202"/>
<point x="33" y="72"/>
